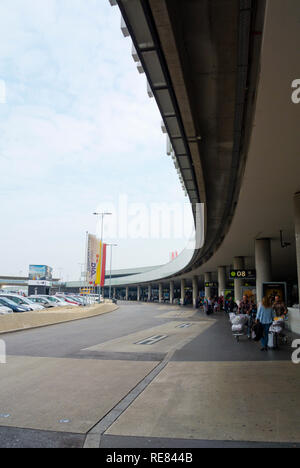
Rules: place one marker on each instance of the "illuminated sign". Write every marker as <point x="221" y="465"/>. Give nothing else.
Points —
<point x="210" y="284"/>
<point x="242" y="274"/>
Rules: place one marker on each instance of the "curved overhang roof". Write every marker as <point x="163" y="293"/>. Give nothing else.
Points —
<point x="203" y="60"/>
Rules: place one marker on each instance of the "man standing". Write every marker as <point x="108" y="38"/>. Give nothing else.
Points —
<point x="245" y="306"/>
<point x="279" y="307"/>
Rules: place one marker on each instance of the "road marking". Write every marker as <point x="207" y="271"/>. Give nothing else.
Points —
<point x="151" y="340"/>
<point x="184" y="325"/>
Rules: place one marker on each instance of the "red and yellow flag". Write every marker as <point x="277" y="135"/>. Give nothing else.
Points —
<point x="101" y="265"/>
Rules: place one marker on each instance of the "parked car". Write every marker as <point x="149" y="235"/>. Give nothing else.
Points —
<point x="95" y="298"/>
<point x="69" y="300"/>
<point x="57" y="301"/>
<point x="79" y="300"/>
<point x="12" y="305"/>
<point x="42" y="300"/>
<point x="23" y="301"/>
<point x="5" y="310"/>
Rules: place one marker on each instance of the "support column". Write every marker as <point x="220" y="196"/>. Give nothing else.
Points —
<point x="149" y="292"/>
<point x="238" y="264"/>
<point x="221" y="280"/>
<point x="160" y="293"/>
<point x="263" y="265"/>
<point x="171" y="292"/>
<point x="195" y="290"/>
<point x="297" y="233"/>
<point x="138" y="293"/>
<point x="182" y="286"/>
<point x="207" y="279"/>
<point x="127" y="293"/>
<point x="114" y="293"/>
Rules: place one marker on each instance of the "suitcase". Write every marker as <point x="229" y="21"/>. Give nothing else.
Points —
<point x="271" y="341"/>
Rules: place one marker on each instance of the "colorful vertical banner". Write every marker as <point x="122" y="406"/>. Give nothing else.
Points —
<point x="92" y="259"/>
<point x="101" y="265"/>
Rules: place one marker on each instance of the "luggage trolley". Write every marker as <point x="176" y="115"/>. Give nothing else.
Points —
<point x="239" y="325"/>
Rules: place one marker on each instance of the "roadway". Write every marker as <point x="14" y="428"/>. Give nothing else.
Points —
<point x="97" y="383"/>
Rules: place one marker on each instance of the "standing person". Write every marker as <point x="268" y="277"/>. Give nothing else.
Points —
<point x="208" y="306"/>
<point x="245" y="306"/>
<point x="230" y="305"/>
<point x="279" y="307"/>
<point x="265" y="316"/>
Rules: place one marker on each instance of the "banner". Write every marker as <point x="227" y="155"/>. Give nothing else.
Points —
<point x="101" y="265"/>
<point x="92" y="259"/>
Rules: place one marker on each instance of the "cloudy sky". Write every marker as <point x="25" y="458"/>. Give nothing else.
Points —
<point x="78" y="134"/>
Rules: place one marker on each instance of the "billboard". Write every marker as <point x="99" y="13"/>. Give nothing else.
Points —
<point x="271" y="290"/>
<point x="40" y="275"/>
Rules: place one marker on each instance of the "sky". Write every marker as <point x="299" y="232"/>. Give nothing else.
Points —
<point x="79" y="134"/>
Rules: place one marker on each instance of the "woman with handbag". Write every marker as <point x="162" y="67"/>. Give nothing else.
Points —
<point x="265" y="316"/>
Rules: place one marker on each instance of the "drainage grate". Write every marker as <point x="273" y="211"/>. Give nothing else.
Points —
<point x="151" y="340"/>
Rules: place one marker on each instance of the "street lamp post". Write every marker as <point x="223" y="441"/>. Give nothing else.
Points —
<point x="111" y="248"/>
<point x="60" y="278"/>
<point x="102" y="216"/>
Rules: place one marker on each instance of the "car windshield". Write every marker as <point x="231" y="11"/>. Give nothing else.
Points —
<point x="17" y="300"/>
<point x="51" y="298"/>
<point x="5" y="301"/>
<point x="26" y="300"/>
<point x="37" y="299"/>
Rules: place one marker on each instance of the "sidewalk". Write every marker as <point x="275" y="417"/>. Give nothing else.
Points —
<point x="216" y="389"/>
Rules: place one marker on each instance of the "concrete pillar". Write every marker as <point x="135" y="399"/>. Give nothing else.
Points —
<point x="297" y="233"/>
<point x="238" y="264"/>
<point x="149" y="292"/>
<point x="114" y="293"/>
<point x="127" y="293"/>
<point x="207" y="279"/>
<point x="138" y="293"/>
<point x="160" y="292"/>
<point x="263" y="265"/>
<point x="195" y="290"/>
<point x="221" y="280"/>
<point x="182" y="286"/>
<point x="171" y="292"/>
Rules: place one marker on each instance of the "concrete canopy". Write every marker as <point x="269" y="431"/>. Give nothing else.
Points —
<point x="230" y="65"/>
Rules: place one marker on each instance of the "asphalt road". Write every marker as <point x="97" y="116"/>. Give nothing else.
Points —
<point x="145" y="375"/>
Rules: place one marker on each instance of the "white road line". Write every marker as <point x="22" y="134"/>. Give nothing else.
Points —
<point x="151" y="340"/>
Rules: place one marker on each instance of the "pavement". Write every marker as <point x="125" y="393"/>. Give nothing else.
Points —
<point x="146" y="375"/>
<point x="40" y="318"/>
